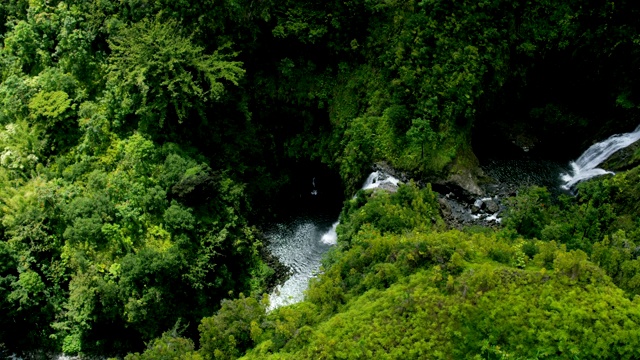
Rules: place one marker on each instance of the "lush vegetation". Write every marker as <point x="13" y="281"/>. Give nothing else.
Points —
<point x="603" y="221"/>
<point x="398" y="292"/>
<point x="143" y="142"/>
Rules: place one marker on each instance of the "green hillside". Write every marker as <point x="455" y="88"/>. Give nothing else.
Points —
<point x="146" y="144"/>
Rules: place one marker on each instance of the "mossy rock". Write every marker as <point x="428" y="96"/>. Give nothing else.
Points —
<point x="624" y="159"/>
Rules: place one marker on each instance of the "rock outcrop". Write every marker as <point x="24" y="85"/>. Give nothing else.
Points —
<point x="623" y="159"/>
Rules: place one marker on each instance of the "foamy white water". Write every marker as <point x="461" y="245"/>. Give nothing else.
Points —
<point x="331" y="237"/>
<point x="377" y="179"/>
<point x="585" y="167"/>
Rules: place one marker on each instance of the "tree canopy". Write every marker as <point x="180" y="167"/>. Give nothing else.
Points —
<point x="144" y="143"/>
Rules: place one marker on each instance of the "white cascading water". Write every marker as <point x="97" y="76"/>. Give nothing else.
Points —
<point x="374" y="180"/>
<point x="586" y="166"/>
<point x="331" y="236"/>
<point x="301" y="244"/>
<point x="377" y="179"/>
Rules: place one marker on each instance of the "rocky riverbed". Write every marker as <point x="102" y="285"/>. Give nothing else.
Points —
<point x="499" y="180"/>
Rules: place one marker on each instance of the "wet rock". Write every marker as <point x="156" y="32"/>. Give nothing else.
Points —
<point x="387" y="169"/>
<point x="388" y="187"/>
<point x="459" y="195"/>
<point x="445" y="209"/>
<point x="467" y="182"/>
<point x="491" y="206"/>
<point x="477" y="206"/>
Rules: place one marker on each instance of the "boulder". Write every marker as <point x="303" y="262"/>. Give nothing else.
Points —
<point x="445" y="209"/>
<point x="392" y="188"/>
<point x="491" y="206"/>
<point x="477" y="206"/>
<point x="467" y="181"/>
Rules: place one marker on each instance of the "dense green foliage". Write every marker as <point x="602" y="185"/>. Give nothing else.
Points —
<point x="408" y="209"/>
<point x="141" y="142"/>
<point x="113" y="225"/>
<point x="603" y="221"/>
<point x="135" y="232"/>
<point x="431" y="294"/>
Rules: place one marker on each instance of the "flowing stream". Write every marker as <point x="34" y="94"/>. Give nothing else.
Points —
<point x="585" y="167"/>
<point x="301" y="243"/>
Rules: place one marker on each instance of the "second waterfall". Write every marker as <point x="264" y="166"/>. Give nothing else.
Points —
<point x="585" y="167"/>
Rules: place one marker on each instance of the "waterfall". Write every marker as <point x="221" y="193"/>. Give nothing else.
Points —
<point x="585" y="167"/>
<point x="300" y="245"/>
<point x="331" y="236"/>
<point x="377" y="179"/>
<point x="374" y="180"/>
